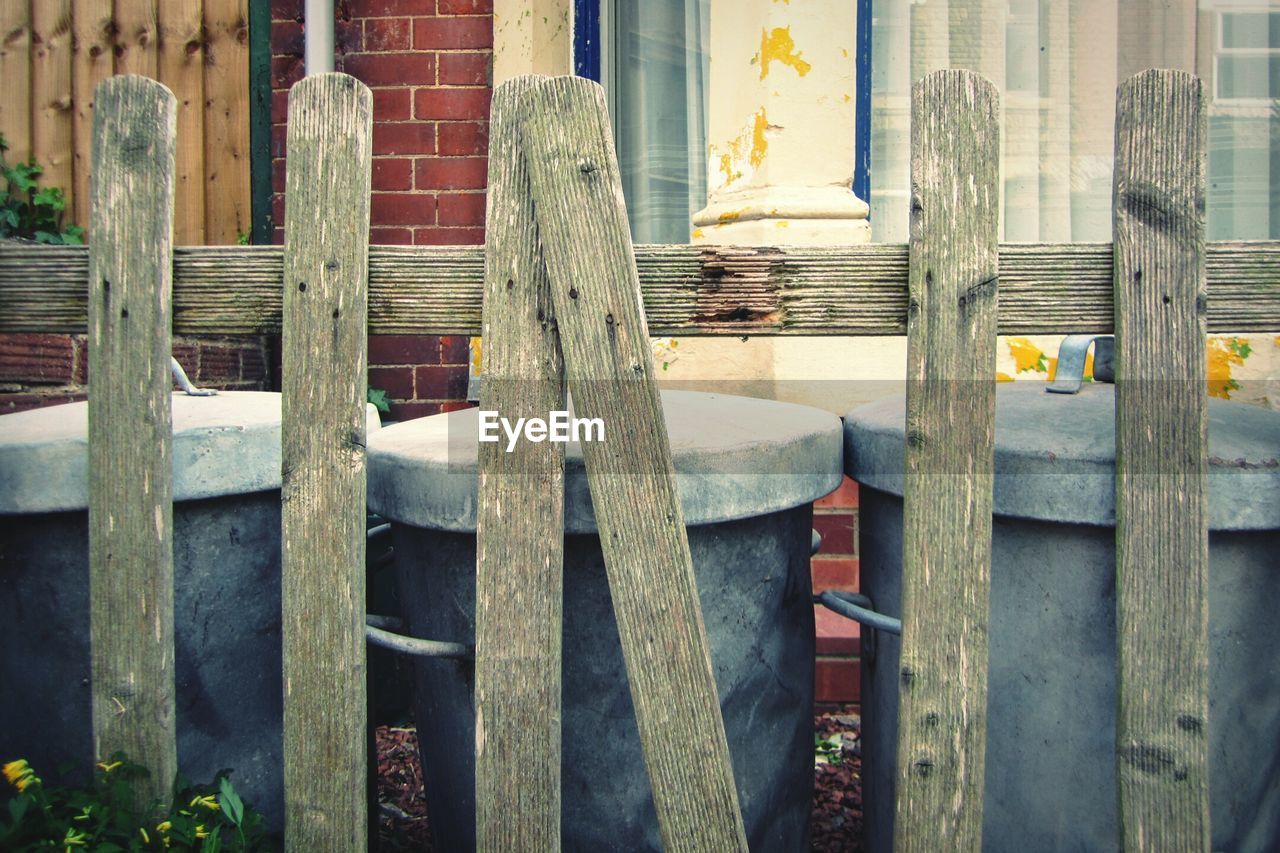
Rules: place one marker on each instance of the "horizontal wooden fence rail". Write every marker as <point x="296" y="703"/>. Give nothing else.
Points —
<point x="688" y="290"/>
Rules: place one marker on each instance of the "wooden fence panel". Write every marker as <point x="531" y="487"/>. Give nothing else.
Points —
<point x="577" y="193"/>
<point x="324" y="360"/>
<point x="226" y="131"/>
<point x="137" y="37"/>
<point x="92" y="61"/>
<point x="182" y="67"/>
<point x="51" y="108"/>
<point x="519" y="520"/>
<point x="846" y="290"/>
<point x="130" y="433"/>
<point x="15" y="71"/>
<point x="1162" y="546"/>
<point x="946" y="565"/>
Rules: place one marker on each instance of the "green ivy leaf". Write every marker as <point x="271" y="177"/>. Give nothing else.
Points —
<point x="380" y="400"/>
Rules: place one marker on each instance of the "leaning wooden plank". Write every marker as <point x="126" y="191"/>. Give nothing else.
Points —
<point x="226" y="128"/>
<point x="15" y="71"/>
<point x="51" y="113"/>
<point x="577" y="193"/>
<point x="182" y="67"/>
<point x="1162" y="603"/>
<point x="130" y="433"/>
<point x="688" y="290"/>
<point x="323" y="492"/>
<point x="946" y="536"/>
<point x="93" y="61"/>
<point x="519" y="520"/>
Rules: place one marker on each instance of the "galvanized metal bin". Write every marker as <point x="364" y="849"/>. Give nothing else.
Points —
<point x="1050" y="766"/>
<point x="226" y="451"/>
<point x="748" y="471"/>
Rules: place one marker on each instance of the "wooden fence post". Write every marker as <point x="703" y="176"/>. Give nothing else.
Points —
<point x="324" y="355"/>
<point x="951" y="327"/>
<point x="520" y="518"/>
<point x="1162" y="546"/>
<point x="130" y="432"/>
<point x="577" y="193"/>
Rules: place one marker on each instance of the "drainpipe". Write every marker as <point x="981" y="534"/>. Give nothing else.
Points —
<point x="318" y="32"/>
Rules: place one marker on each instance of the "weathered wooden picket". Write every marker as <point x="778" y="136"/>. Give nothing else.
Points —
<point x="562" y="303"/>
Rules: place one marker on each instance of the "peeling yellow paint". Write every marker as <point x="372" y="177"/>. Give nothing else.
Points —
<point x="1224" y="352"/>
<point x="726" y="167"/>
<point x="1003" y="377"/>
<point x="729" y="216"/>
<point x="1026" y="356"/>
<point x="847" y="99"/>
<point x="759" y="145"/>
<point x="778" y="46"/>
<point x="782" y="223"/>
<point x="844" y="52"/>
<point x="697" y="233"/>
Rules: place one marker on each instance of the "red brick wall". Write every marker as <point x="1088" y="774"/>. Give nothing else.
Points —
<point x="429" y="64"/>
<point x="44" y="370"/>
<point x="835" y="566"/>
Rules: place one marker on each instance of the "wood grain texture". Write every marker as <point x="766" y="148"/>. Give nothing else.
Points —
<point x="324" y="358"/>
<point x="15" y="71"/>
<point x="137" y="37"/>
<point x="51" y="112"/>
<point x="519" y="519"/>
<point x="182" y="65"/>
<point x="951" y="363"/>
<point x="1162" y="604"/>
<point x="130" y="432"/>
<point x="226" y="120"/>
<point x="92" y="61"/>
<point x="847" y="290"/>
<point x="577" y="193"/>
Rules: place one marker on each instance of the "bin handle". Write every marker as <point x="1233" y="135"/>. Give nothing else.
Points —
<point x="859" y="608"/>
<point x="381" y="630"/>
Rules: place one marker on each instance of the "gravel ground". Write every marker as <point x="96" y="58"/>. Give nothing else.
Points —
<point x="837" y="806"/>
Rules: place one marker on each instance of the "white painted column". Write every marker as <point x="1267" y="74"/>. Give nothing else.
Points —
<point x="781" y="125"/>
<point x="781" y="136"/>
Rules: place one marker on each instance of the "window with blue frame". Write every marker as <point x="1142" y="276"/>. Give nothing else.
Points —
<point x="1056" y="64"/>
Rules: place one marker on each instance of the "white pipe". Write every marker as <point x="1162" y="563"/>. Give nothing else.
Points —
<point x="318" y="35"/>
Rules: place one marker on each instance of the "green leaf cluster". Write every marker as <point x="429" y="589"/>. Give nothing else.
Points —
<point x="29" y="210"/>
<point x="108" y="817"/>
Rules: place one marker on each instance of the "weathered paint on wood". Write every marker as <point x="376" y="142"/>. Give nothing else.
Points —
<point x="15" y="71"/>
<point x="577" y="193"/>
<point x="1162" y="604"/>
<point x="182" y="68"/>
<point x="688" y="290"/>
<point x="51" y="113"/>
<point x="130" y="432"/>
<point x="226" y="120"/>
<point x="950" y="432"/>
<point x="323" y="492"/>
<point x="520" y="519"/>
<point x="93" y="61"/>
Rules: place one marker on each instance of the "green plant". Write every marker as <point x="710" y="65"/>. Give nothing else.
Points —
<point x="29" y="210"/>
<point x="380" y="400"/>
<point x="828" y="750"/>
<point x="106" y="817"/>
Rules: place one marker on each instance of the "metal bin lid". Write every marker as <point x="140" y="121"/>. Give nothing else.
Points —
<point x="1055" y="456"/>
<point x="735" y="457"/>
<point x="226" y="444"/>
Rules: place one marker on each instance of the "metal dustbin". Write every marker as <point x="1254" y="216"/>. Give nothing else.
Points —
<point x="1050" y="778"/>
<point x="226" y="554"/>
<point x="748" y="471"/>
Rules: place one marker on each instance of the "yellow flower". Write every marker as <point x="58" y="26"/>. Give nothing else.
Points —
<point x="201" y="832"/>
<point x="74" y="838"/>
<point x="209" y="801"/>
<point x="20" y="775"/>
<point x="164" y="826"/>
<point x="142" y="830"/>
<point x="107" y="768"/>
